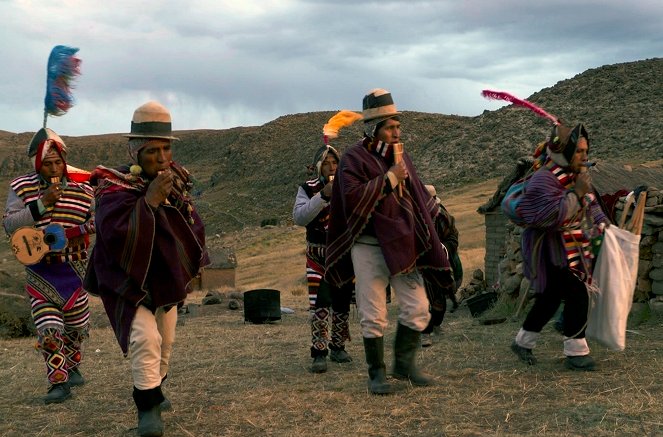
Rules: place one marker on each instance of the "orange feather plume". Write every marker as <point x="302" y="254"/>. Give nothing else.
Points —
<point x="341" y="119"/>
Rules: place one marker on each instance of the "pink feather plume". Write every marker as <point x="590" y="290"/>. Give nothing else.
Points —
<point x="501" y="95"/>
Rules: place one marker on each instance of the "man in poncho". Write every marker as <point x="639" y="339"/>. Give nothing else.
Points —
<point x="382" y="234"/>
<point x="150" y="245"/>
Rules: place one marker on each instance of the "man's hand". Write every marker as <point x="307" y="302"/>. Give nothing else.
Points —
<point x="51" y="195"/>
<point x="159" y="188"/>
<point x="400" y="171"/>
<point x="327" y="190"/>
<point x="583" y="184"/>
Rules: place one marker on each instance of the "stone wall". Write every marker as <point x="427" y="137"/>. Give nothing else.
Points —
<point x="649" y="287"/>
<point x="650" y="268"/>
<point x="496" y="231"/>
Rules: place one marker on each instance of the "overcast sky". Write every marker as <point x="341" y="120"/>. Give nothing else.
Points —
<point x="218" y="64"/>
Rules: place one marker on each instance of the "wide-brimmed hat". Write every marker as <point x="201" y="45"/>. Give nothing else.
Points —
<point x="378" y="104"/>
<point x="151" y="120"/>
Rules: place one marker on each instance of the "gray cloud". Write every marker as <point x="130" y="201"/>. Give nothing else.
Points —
<point x="219" y="64"/>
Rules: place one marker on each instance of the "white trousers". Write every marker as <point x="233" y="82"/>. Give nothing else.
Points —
<point x="371" y="280"/>
<point x="150" y="346"/>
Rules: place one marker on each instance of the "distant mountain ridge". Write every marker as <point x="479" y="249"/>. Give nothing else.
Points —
<point x="247" y="174"/>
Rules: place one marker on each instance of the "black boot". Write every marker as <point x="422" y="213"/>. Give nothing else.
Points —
<point x="405" y="351"/>
<point x="149" y="411"/>
<point x="58" y="393"/>
<point x="377" y="372"/>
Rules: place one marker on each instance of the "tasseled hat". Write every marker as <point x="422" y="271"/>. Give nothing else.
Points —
<point x="377" y="106"/>
<point x="564" y="141"/>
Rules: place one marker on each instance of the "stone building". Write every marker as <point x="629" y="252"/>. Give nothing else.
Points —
<point x="221" y="271"/>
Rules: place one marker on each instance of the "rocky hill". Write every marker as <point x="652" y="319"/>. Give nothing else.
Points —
<point x="249" y="174"/>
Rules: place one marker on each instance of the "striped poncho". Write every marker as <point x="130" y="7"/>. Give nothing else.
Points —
<point x="554" y="236"/>
<point x="57" y="278"/>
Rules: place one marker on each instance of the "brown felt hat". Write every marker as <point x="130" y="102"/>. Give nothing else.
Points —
<point x="151" y="120"/>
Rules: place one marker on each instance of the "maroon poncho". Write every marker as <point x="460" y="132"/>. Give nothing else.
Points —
<point x="139" y="250"/>
<point x="403" y="225"/>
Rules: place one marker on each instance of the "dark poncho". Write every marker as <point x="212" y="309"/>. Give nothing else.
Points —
<point x="403" y="225"/>
<point x="139" y="250"/>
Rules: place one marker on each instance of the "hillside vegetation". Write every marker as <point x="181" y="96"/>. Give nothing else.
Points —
<point x="248" y="174"/>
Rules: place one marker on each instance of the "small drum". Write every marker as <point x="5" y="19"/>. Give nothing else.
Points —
<point x="262" y="306"/>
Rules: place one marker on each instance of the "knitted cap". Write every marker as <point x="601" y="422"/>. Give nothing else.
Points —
<point x="151" y="120"/>
<point x="321" y="155"/>
<point x="43" y="143"/>
<point x="44" y="134"/>
<point x="565" y="140"/>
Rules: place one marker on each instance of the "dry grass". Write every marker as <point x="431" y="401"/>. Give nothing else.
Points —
<point x="234" y="379"/>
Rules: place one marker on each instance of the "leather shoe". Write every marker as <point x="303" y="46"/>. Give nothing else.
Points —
<point x="340" y="356"/>
<point x="58" y="393"/>
<point x="583" y="362"/>
<point x="523" y="353"/>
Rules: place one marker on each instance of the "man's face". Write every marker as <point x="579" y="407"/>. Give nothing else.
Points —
<point x="52" y="167"/>
<point x="390" y="132"/>
<point x="580" y="156"/>
<point x="155" y="156"/>
<point x="328" y="167"/>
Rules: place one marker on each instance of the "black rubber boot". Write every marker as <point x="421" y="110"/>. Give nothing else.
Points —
<point x="377" y="372"/>
<point x="149" y="411"/>
<point x="165" y="405"/>
<point x="405" y="351"/>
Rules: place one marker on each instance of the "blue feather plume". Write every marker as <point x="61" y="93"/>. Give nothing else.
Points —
<point x="62" y="68"/>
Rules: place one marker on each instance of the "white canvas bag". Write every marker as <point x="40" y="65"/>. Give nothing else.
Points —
<point x="615" y="274"/>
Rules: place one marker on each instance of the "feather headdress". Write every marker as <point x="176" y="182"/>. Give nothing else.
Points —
<point x="341" y="119"/>
<point x="63" y="67"/>
<point x="501" y="95"/>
